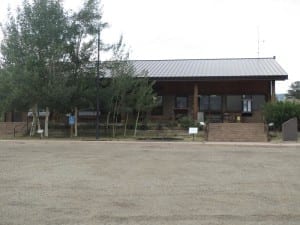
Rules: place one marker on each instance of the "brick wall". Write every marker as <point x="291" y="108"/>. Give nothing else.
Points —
<point x="12" y="129"/>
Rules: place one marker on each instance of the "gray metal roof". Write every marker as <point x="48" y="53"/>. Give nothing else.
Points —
<point x="263" y="68"/>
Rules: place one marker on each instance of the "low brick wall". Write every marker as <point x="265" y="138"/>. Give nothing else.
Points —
<point x="12" y="129"/>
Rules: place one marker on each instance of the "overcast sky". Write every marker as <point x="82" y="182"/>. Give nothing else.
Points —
<point x="176" y="29"/>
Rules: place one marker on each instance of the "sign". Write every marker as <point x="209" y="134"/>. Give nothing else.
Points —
<point x="193" y="130"/>
<point x="71" y="120"/>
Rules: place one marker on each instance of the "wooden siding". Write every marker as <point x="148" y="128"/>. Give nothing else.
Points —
<point x="214" y="87"/>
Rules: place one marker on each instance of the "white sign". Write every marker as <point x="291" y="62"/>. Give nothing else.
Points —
<point x="193" y="130"/>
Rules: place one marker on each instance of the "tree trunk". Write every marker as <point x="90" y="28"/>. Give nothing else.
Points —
<point x="136" y="123"/>
<point x="114" y="119"/>
<point x="107" y="122"/>
<point x="46" y="121"/>
<point x="115" y="122"/>
<point x="33" y="124"/>
<point x="76" y="124"/>
<point x="107" y="119"/>
<point x="38" y="118"/>
<point x="125" y="125"/>
<point x="35" y="120"/>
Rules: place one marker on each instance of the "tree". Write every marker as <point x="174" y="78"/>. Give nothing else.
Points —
<point x="294" y="91"/>
<point x="279" y="112"/>
<point x="47" y="54"/>
<point x="47" y="62"/>
<point x="32" y="49"/>
<point x="144" y="97"/>
<point x="84" y="26"/>
<point x="122" y="86"/>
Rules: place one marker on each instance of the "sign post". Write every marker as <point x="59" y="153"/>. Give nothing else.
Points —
<point x="193" y="131"/>
<point x="71" y="123"/>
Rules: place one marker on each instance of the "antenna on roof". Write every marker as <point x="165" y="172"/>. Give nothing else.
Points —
<point x="258" y="42"/>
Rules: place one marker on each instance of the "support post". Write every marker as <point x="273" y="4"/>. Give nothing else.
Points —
<point x="76" y="122"/>
<point x="46" y="122"/>
<point x="273" y="96"/>
<point x="196" y="105"/>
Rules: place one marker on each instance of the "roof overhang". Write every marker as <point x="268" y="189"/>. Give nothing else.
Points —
<point x="220" y="78"/>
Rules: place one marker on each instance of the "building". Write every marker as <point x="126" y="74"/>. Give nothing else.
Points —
<point x="226" y="94"/>
<point x="213" y="90"/>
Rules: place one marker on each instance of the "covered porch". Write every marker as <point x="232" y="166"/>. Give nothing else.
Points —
<point x="213" y="101"/>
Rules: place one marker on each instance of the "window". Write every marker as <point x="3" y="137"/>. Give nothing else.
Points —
<point x="215" y="102"/>
<point x="233" y="103"/>
<point x="210" y="103"/>
<point x="181" y="102"/>
<point x="247" y="104"/>
<point x="204" y="103"/>
<point x="258" y="101"/>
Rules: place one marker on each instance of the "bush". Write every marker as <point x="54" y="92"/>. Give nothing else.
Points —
<point x="186" y="122"/>
<point x="279" y="112"/>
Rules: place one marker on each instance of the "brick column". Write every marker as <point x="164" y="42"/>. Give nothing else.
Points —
<point x="196" y="105"/>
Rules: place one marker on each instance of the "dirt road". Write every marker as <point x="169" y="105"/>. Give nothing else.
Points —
<point x="59" y="182"/>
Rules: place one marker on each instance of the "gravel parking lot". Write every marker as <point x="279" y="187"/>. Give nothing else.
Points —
<point x="77" y="182"/>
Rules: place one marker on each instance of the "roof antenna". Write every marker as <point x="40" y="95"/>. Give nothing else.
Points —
<point x="258" y="42"/>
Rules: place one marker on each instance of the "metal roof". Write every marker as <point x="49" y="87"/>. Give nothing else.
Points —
<point x="258" y="68"/>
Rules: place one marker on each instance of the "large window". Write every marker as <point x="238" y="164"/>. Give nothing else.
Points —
<point x="204" y="103"/>
<point x="181" y="102"/>
<point x="258" y="102"/>
<point x="233" y="103"/>
<point x="215" y="103"/>
<point x="244" y="103"/>
<point x="210" y="103"/>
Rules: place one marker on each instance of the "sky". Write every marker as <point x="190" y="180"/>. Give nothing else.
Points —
<point x="201" y="29"/>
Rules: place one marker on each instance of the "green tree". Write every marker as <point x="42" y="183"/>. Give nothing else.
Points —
<point x="122" y="76"/>
<point x="122" y="83"/>
<point x="32" y="49"/>
<point x="83" y="29"/>
<point x="84" y="26"/>
<point x="144" y="97"/>
<point x="294" y="91"/>
<point x="47" y="54"/>
<point x="279" y="112"/>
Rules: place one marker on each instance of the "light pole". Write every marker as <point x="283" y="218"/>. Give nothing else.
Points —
<point x="97" y="87"/>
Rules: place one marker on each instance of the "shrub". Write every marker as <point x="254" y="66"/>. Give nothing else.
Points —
<point x="279" y="112"/>
<point x="186" y="122"/>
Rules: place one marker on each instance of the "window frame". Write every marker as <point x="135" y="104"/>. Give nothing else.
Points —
<point x="176" y="102"/>
<point x="209" y="108"/>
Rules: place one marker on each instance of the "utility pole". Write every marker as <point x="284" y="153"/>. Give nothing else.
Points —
<point x="97" y="87"/>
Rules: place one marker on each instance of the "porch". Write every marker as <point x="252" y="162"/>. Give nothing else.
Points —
<point x="226" y="101"/>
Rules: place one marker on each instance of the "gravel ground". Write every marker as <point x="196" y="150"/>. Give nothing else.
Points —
<point x="113" y="183"/>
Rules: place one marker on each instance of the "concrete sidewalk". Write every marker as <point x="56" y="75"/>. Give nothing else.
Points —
<point x="260" y="144"/>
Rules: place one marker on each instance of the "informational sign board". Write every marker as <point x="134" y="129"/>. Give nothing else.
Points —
<point x="290" y="130"/>
<point x="71" y="120"/>
<point x="193" y="130"/>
